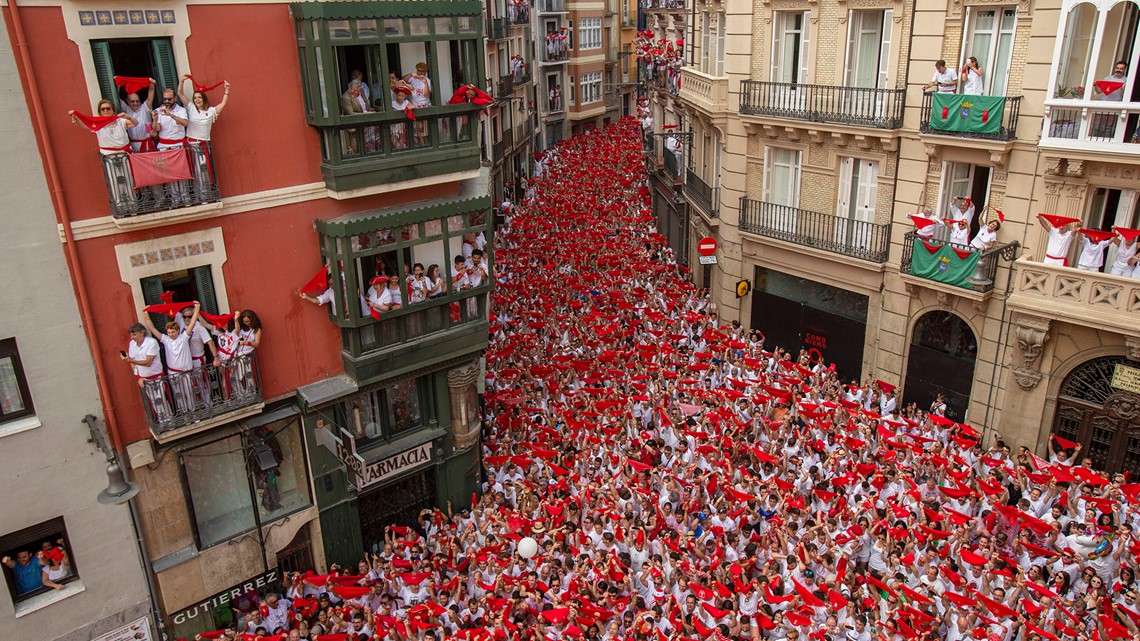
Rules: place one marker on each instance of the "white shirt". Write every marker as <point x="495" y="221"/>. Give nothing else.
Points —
<point x="391" y="297"/>
<point x="1058" y="247"/>
<point x="169" y="129"/>
<point x="113" y="137"/>
<point x="199" y="123"/>
<point x="984" y="238"/>
<point x="1118" y="95"/>
<point x="1092" y="254"/>
<point x="141" y="116"/>
<point x="178" y="352"/>
<point x="945" y="76"/>
<point x="138" y="352"/>
<point x="974" y="84"/>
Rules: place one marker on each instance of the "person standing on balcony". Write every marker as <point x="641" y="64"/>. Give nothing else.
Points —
<point x="200" y="339"/>
<point x="1125" y="252"/>
<point x="421" y="86"/>
<point x="200" y="119"/>
<point x="352" y="101"/>
<point x="179" y="359"/>
<point x="1119" y="75"/>
<point x="142" y="356"/>
<point x="170" y="129"/>
<point x="249" y="339"/>
<point x="986" y="237"/>
<point x="944" y="79"/>
<point x="972" y="74"/>
<point x="959" y="231"/>
<point x="112" y="133"/>
<point x="133" y="106"/>
<point x="965" y="209"/>
<point x="1060" y="238"/>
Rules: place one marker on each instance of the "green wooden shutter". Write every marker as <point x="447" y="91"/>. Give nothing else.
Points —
<point x="204" y="280"/>
<point x="105" y="72"/>
<point x="152" y="290"/>
<point x="165" y="74"/>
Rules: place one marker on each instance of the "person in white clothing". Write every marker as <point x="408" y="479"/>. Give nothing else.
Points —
<point x="972" y="74"/>
<point x="134" y="107"/>
<point x="959" y="231"/>
<point x="114" y="140"/>
<point x="1119" y="74"/>
<point x="169" y="127"/>
<point x="1125" y="251"/>
<point x="923" y="230"/>
<point x="945" y="80"/>
<point x="1060" y="238"/>
<point x="200" y="119"/>
<point x="142" y="355"/>
<point x="964" y="209"/>
<point x="986" y="237"/>
<point x="179" y="361"/>
<point x="1091" y="258"/>
<point x="391" y="298"/>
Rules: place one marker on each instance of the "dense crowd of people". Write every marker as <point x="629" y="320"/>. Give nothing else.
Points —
<point x="654" y="473"/>
<point x="663" y="59"/>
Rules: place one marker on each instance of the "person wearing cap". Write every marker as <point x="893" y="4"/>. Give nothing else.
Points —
<point x="390" y="298"/>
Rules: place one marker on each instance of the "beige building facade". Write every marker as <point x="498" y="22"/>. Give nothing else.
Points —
<point x="811" y="135"/>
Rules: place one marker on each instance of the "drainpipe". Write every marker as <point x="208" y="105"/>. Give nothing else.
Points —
<point x="63" y="217"/>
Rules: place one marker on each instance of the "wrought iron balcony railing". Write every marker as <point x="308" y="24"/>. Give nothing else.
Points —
<point x="1006" y="129"/>
<point x="498" y="29"/>
<point x="179" y="399"/>
<point x="127" y="200"/>
<point x="984" y="272"/>
<point x="700" y="192"/>
<point x="551" y="6"/>
<point x="662" y="5"/>
<point x="518" y="14"/>
<point x="1092" y="125"/>
<point x="848" y="236"/>
<point x="864" y="107"/>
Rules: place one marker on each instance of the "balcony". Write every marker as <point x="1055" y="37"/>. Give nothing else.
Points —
<point x="126" y="200"/>
<point x="857" y="106"/>
<point x="982" y="280"/>
<point x="662" y="5"/>
<point x="554" y="57"/>
<point x="1003" y="129"/>
<point x="671" y="165"/>
<point x="663" y="82"/>
<point x="384" y="147"/>
<point x="502" y="147"/>
<point x="505" y="87"/>
<point x="522" y="75"/>
<point x="701" y="194"/>
<point x="827" y="232"/>
<point x="179" y="400"/>
<point x="705" y="92"/>
<point x="551" y="6"/>
<point x="518" y="14"/>
<point x="1090" y="299"/>
<point x="1096" y="125"/>
<point x="497" y="29"/>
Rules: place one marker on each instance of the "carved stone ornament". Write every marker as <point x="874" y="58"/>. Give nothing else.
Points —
<point x="1133" y="345"/>
<point x="1054" y="165"/>
<point x="1032" y="332"/>
<point x="1026" y="378"/>
<point x="1123" y="405"/>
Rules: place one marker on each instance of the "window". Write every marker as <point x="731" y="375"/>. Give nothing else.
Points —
<point x="15" y="400"/>
<point x="721" y="28"/>
<point x="858" y="190"/>
<point x="139" y="58"/>
<point x="589" y="33"/>
<point x="1096" y="37"/>
<point x="706" y="41"/>
<point x="573" y="91"/>
<point x="990" y="39"/>
<point x="240" y="480"/>
<point x="25" y="570"/>
<point x="194" y="284"/>
<point x="387" y="412"/>
<point x="591" y="87"/>
<point x="790" y="30"/>
<point x="782" y="177"/>
<point x="1110" y="208"/>
<point x="868" y="48"/>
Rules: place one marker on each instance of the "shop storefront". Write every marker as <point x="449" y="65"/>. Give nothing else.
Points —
<point x="224" y="609"/>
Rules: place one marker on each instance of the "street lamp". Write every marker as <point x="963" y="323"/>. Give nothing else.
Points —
<point x="119" y="490"/>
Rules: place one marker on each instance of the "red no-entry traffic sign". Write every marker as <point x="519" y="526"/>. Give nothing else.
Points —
<point x="707" y="246"/>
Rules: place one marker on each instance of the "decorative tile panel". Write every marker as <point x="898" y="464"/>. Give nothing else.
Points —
<point x="105" y="18"/>
<point x="174" y="252"/>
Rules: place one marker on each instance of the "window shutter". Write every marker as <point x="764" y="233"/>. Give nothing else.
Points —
<point x="868" y="189"/>
<point x="165" y="74"/>
<point x="104" y="71"/>
<point x="152" y="290"/>
<point x="844" y="201"/>
<point x="805" y="49"/>
<point x="885" y="49"/>
<point x="204" y="280"/>
<point x="777" y="47"/>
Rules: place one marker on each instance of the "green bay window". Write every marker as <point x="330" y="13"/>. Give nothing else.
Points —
<point x="374" y="140"/>
<point x="393" y="242"/>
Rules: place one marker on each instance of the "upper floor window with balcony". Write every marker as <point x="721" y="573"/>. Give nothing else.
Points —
<point x="989" y="41"/>
<point x="1094" y="101"/>
<point x="868" y="48"/>
<point x="589" y="33"/>
<point x="400" y="275"/>
<point x="790" y="37"/>
<point x="712" y="43"/>
<point x="591" y="87"/>
<point x="383" y="84"/>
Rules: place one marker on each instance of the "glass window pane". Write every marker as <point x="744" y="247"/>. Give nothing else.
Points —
<point x="444" y="25"/>
<point x="467" y="24"/>
<point x="418" y="26"/>
<point x="393" y="26"/>
<point x="10" y="399"/>
<point x="279" y="472"/>
<point x="366" y="28"/>
<point x="338" y="30"/>
<point x="433" y="227"/>
<point x="404" y="406"/>
<point x="219" y="490"/>
<point x="410" y="232"/>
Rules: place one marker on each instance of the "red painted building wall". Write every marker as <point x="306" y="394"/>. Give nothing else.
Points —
<point x="261" y="142"/>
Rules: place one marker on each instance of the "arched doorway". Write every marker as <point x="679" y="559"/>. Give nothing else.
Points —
<point x="943" y="350"/>
<point x="1103" y="419"/>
